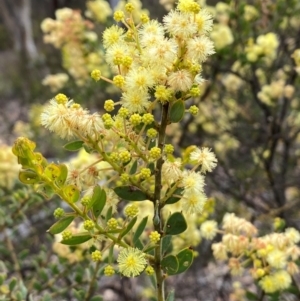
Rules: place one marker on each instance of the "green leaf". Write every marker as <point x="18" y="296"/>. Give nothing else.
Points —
<point x="12" y="284"/>
<point x="108" y="214"/>
<point x="77" y="239"/>
<point x="171" y="296"/>
<point x="251" y="296"/>
<point x="28" y="177"/>
<point x="25" y="162"/>
<point x="97" y="298"/>
<point x="128" y="228"/>
<point x="175" y="224"/>
<point x="185" y="259"/>
<point x="130" y="193"/>
<point x="45" y="190"/>
<point x="71" y="193"/>
<point x="170" y="264"/>
<point x="61" y="225"/>
<point x="138" y="244"/>
<point x="166" y="243"/>
<point x="61" y="179"/>
<point x="52" y="171"/>
<point x="98" y="201"/>
<point x="177" y="111"/>
<point x="74" y="145"/>
<point x="140" y="229"/>
<point x="133" y="168"/>
<point x="23" y="254"/>
<point x="174" y="199"/>
<point x="149" y="249"/>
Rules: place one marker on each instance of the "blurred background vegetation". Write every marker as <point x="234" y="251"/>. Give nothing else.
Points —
<point x="249" y="116"/>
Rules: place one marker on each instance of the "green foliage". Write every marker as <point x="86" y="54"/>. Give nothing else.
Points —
<point x="61" y="225"/>
<point x="177" y="111"/>
<point x="130" y="193"/>
<point x="74" y="145"/>
<point x="175" y="224"/>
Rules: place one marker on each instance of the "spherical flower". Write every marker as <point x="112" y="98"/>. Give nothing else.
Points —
<point x="96" y="74"/>
<point x="179" y="24"/>
<point x="193" y="202"/>
<point x="131" y="262"/>
<point x="163" y="52"/>
<point x="92" y="124"/>
<point x="283" y="279"/>
<point x="149" y="270"/>
<point x="131" y="210"/>
<point x="268" y="284"/>
<point x="109" y="271"/>
<point x="135" y="101"/>
<point x="152" y="133"/>
<point x="139" y="79"/>
<point x="59" y="212"/>
<point x="155" y="153"/>
<point x="154" y="237"/>
<point x="112" y="35"/>
<point x="192" y="182"/>
<point x="199" y="48"/>
<point x="112" y="223"/>
<point x="209" y="229"/>
<point x="55" y="117"/>
<point x="88" y="225"/>
<point x="219" y="251"/>
<point x="204" y="22"/>
<point x="205" y="157"/>
<point x="171" y="170"/>
<point x="151" y="31"/>
<point x="277" y="259"/>
<point x="293" y="235"/>
<point x="67" y="234"/>
<point x="96" y="256"/>
<point x="181" y="80"/>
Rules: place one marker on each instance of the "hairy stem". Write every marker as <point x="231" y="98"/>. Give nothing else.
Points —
<point x="157" y="221"/>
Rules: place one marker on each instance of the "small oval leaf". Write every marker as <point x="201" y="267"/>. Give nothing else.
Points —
<point x="77" y="239"/>
<point x="170" y="264"/>
<point x="28" y="177"/>
<point x="71" y="193"/>
<point x="74" y="145"/>
<point x="175" y="224"/>
<point x="52" y="171"/>
<point x="177" y="111"/>
<point x="166" y="244"/>
<point x="45" y="190"/>
<point x="185" y="260"/>
<point x="63" y="174"/>
<point x="61" y="225"/>
<point x="130" y="193"/>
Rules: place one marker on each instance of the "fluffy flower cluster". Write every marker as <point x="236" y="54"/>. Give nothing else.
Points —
<point x="55" y="81"/>
<point x="265" y="47"/>
<point x="270" y="94"/>
<point x="67" y="119"/>
<point x="98" y="10"/>
<point x="273" y="256"/>
<point x="73" y="35"/>
<point x="160" y="57"/>
<point x="9" y="167"/>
